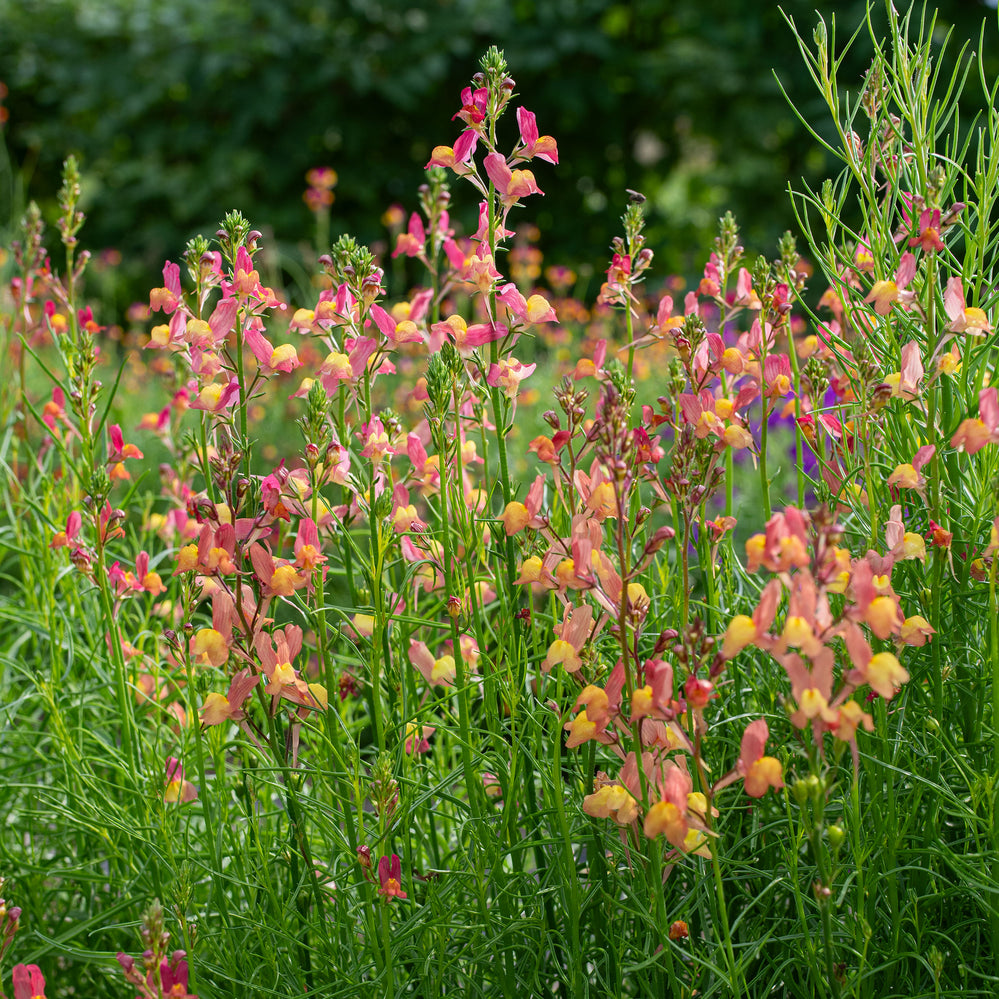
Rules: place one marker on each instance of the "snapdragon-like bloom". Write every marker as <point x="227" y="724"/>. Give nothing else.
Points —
<point x="613" y="801"/>
<point x="411" y="242"/>
<point x="464" y="337"/>
<point x="759" y="772"/>
<point x="29" y="983"/>
<point x="508" y="374"/>
<point x="975" y="432"/>
<point x="390" y="878"/>
<point x="474" y="104"/>
<point x="219" y="708"/>
<point x="543" y="147"/>
<point x="438" y="671"/>
<point x="573" y="633"/>
<point x="963" y="318"/>
<point x="928" y="238"/>
<point x="884" y="294"/>
<point x="512" y="184"/>
<point x="177" y="788"/>
<point x="458" y="157"/>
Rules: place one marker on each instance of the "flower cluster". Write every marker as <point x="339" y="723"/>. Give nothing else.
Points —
<point x="811" y="569"/>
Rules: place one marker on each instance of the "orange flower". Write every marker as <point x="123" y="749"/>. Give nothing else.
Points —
<point x="573" y="634"/>
<point x="759" y="772"/>
<point x="612" y="801"/>
<point x="227" y="707"/>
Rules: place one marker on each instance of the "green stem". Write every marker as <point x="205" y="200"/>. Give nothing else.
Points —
<point x="994" y="651"/>
<point x="461" y="678"/>
<point x="824" y="900"/>
<point x="243" y="443"/>
<point x="798" y="440"/>
<point x="387" y="947"/>
<point x="206" y="795"/>
<point x="379" y="638"/>
<point x="736" y="983"/>
<point x="125" y="704"/>
<point x="764" y="481"/>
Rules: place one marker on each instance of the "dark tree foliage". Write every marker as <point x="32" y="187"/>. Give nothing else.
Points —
<point x="182" y="110"/>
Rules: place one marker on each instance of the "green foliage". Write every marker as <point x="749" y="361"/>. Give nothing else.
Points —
<point x="180" y="109"/>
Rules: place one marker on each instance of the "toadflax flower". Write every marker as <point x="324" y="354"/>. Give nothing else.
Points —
<point x="390" y="878"/>
<point x="29" y="983"/>
<point x="177" y="789"/>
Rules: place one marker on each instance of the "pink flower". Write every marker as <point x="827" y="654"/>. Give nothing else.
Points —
<point x="28" y="982"/>
<point x="118" y="450"/>
<point x="573" y="633"/>
<point x="929" y="231"/>
<point x="543" y="146"/>
<point x="228" y="707"/>
<point x="279" y="576"/>
<point x="390" y="878"/>
<point x="54" y="411"/>
<point x="284" y="357"/>
<point x="458" y="157"/>
<point x="440" y="671"/>
<point x="885" y="293"/>
<point x="376" y="441"/>
<point x="308" y="549"/>
<point x="535" y="309"/>
<point x="215" y="397"/>
<point x="512" y="184"/>
<point x="479" y="269"/>
<point x="177" y="789"/>
<point x="516" y="516"/>
<point x="963" y="318"/>
<point x="464" y="337"/>
<point x="474" y="104"/>
<point x="348" y="367"/>
<point x="905" y="383"/>
<point x="508" y="375"/>
<point x="417" y="738"/>
<point x="167" y="298"/>
<point x="173" y="976"/>
<point x="405" y="331"/>
<point x="975" y="432"/>
<point x="759" y="772"/>
<point x="63" y="538"/>
<point x="411" y="242"/>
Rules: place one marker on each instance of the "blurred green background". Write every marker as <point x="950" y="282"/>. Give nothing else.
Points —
<point x="182" y="109"/>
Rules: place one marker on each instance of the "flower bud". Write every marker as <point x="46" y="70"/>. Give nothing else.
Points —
<point x="800" y="791"/>
<point x="364" y="859"/>
<point x="836" y="836"/>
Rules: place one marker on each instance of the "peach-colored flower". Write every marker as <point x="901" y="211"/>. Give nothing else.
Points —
<point x="512" y="184"/>
<point x="219" y="708"/>
<point x="573" y="633"/>
<point x="975" y="432"/>
<point x="177" y="788"/>
<point x="759" y="772"/>
<point x="437" y="671"/>
<point x="963" y="318"/>
<point x="612" y="801"/>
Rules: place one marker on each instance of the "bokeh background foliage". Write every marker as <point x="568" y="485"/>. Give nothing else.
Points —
<point x="179" y="111"/>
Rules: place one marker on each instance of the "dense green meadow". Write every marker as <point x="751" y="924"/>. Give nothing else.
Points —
<point x="438" y="622"/>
